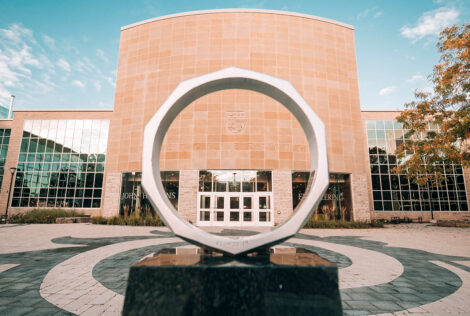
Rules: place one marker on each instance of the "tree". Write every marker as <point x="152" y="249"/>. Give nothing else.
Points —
<point x="438" y="123"/>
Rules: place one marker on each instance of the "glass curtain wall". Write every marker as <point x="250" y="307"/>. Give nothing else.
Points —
<point x="134" y="199"/>
<point x="335" y="204"/>
<point x="392" y="192"/>
<point x="235" y="181"/>
<point x="4" y="141"/>
<point x="61" y="164"/>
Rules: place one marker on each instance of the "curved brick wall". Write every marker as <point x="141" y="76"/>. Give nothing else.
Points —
<point x="316" y="56"/>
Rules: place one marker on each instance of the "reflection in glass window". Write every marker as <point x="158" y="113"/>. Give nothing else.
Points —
<point x="134" y="199"/>
<point x="219" y="216"/>
<point x="205" y="181"/>
<point x="264" y="203"/>
<point x="248" y="181"/>
<point x="234" y="202"/>
<point x="205" y="201"/>
<point x="4" y="141"/>
<point x="61" y="164"/>
<point x="263" y="181"/>
<point x="220" y="202"/>
<point x="336" y="202"/>
<point x="247" y="202"/>
<point x="235" y="181"/>
<point x="397" y="193"/>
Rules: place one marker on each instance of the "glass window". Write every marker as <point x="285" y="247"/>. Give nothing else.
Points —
<point x="205" y="181"/>
<point x="205" y="216"/>
<point x="247" y="216"/>
<point x="264" y="203"/>
<point x="50" y="150"/>
<point x="219" y="204"/>
<point x="397" y="193"/>
<point x="170" y="182"/>
<point x="205" y="201"/>
<point x="263" y="180"/>
<point x="264" y="216"/>
<point x="4" y="141"/>
<point x="219" y="216"/>
<point x="234" y="216"/>
<point x="133" y="198"/>
<point x="248" y="181"/>
<point x="247" y="202"/>
<point x="234" y="202"/>
<point x="235" y="181"/>
<point x="220" y="181"/>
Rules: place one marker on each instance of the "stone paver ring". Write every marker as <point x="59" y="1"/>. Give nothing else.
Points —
<point x="234" y="78"/>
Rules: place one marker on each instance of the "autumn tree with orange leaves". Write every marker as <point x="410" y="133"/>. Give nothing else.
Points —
<point x="438" y="123"/>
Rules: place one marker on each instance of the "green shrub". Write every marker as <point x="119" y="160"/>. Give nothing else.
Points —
<point x="43" y="216"/>
<point x="100" y="220"/>
<point x="341" y="224"/>
<point x="131" y="220"/>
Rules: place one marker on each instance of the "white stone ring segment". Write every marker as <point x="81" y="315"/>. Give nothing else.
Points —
<point x="234" y="78"/>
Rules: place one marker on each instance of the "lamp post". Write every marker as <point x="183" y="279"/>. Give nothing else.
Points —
<point x="12" y="170"/>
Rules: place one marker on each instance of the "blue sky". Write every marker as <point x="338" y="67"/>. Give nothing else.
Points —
<point x="63" y="54"/>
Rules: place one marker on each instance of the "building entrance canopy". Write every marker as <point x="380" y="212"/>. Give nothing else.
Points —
<point x="234" y="78"/>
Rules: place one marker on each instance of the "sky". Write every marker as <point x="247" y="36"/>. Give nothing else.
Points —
<point x="57" y="54"/>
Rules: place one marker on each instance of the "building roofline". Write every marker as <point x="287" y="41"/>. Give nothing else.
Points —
<point x="176" y="15"/>
<point x="63" y="110"/>
<point x="382" y="110"/>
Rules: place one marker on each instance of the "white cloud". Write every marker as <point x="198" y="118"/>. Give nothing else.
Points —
<point x="17" y="60"/>
<point x="431" y="23"/>
<point x="387" y="90"/>
<point x="97" y="85"/>
<point x="16" y="33"/>
<point x="102" y="55"/>
<point x="62" y="63"/>
<point x="111" y="81"/>
<point x="85" y="65"/>
<point x="374" y="12"/>
<point x="378" y="14"/>
<point x="49" y="41"/>
<point x="78" y="83"/>
<point x="415" y="78"/>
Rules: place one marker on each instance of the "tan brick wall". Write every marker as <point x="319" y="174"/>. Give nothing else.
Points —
<point x="112" y="194"/>
<point x="187" y="196"/>
<point x="360" y="197"/>
<point x="282" y="192"/>
<point x="316" y="57"/>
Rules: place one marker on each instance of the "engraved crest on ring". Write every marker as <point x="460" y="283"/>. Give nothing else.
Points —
<point x="236" y="121"/>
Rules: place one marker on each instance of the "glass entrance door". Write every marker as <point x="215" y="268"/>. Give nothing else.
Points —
<point x="235" y="209"/>
<point x="235" y="198"/>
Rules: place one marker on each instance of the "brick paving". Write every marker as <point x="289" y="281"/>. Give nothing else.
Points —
<point x="82" y="268"/>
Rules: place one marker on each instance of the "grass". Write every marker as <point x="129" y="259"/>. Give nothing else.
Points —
<point x="342" y="224"/>
<point x="42" y="216"/>
<point x="131" y="220"/>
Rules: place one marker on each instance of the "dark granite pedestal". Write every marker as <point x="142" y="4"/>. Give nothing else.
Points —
<point x="283" y="281"/>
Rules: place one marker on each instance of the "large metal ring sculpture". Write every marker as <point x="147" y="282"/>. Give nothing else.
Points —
<point x="234" y="78"/>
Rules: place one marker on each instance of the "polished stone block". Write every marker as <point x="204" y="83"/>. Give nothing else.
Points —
<point x="286" y="281"/>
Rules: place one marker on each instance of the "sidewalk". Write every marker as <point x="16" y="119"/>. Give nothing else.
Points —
<point x="82" y="268"/>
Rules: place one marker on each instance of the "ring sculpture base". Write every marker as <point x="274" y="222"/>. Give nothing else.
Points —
<point x="187" y="281"/>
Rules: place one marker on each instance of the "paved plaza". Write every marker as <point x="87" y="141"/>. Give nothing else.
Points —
<point x="82" y="268"/>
